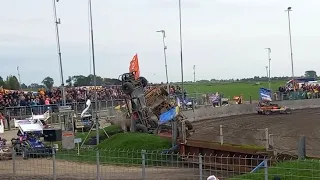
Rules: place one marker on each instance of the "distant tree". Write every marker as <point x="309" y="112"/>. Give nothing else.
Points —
<point x="69" y="81"/>
<point x="80" y="80"/>
<point x="48" y="82"/>
<point x="12" y="83"/>
<point x="2" y="83"/>
<point x="310" y="74"/>
<point x="35" y="86"/>
<point x="24" y="86"/>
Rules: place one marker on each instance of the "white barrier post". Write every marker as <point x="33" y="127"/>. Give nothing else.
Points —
<point x="221" y="135"/>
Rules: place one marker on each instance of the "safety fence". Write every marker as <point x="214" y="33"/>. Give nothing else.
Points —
<point x="131" y="164"/>
<point x="78" y="107"/>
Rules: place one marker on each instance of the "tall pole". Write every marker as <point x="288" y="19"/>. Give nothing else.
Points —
<point x="181" y="57"/>
<point x="94" y="74"/>
<point x="175" y="126"/>
<point x="95" y="87"/>
<point x="194" y="73"/>
<point x="290" y="39"/>
<point x="165" y="57"/>
<point x="57" y="22"/>
<point x="269" y="61"/>
<point x="19" y="77"/>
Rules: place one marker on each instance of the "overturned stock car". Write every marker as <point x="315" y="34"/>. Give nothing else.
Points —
<point x="265" y="107"/>
<point x="150" y="109"/>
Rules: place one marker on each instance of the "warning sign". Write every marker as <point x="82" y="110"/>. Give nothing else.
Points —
<point x="68" y="140"/>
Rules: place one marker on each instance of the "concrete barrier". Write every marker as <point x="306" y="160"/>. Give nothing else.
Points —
<point x="207" y="112"/>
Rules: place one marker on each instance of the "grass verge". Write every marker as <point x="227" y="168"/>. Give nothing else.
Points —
<point x="110" y="130"/>
<point x="123" y="149"/>
<point x="293" y="170"/>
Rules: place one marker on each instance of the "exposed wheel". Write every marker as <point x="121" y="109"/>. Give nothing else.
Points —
<point x="153" y="123"/>
<point x="164" y="92"/>
<point x="143" y="81"/>
<point x="141" y="128"/>
<point x="288" y="111"/>
<point x="188" y="125"/>
<point x="127" y="88"/>
<point x="24" y="153"/>
<point x="267" y="112"/>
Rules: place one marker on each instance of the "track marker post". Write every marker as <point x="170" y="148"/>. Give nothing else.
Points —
<point x="221" y="134"/>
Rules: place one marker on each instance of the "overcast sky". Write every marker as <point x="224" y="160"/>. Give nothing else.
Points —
<point x="223" y="38"/>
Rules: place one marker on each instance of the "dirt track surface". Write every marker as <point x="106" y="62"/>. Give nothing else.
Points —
<point x="249" y="130"/>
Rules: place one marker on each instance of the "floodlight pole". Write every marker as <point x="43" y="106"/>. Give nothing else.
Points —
<point x="194" y="73"/>
<point x="269" y="61"/>
<point x="290" y="40"/>
<point x="94" y="75"/>
<point x="175" y="125"/>
<point x="181" y="55"/>
<point x="165" y="57"/>
<point x="95" y="87"/>
<point x="57" y="22"/>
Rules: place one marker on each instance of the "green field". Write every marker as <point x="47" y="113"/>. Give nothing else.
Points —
<point x="232" y="89"/>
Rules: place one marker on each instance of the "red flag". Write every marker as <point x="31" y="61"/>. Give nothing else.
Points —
<point x="134" y="66"/>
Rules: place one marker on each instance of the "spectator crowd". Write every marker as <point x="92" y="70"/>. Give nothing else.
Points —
<point x="303" y="90"/>
<point x="10" y="98"/>
<point x="13" y="98"/>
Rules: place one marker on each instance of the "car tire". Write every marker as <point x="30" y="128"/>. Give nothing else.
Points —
<point x="127" y="88"/>
<point x="143" y="81"/>
<point x="141" y="128"/>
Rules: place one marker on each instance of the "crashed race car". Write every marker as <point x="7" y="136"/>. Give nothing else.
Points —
<point x="150" y="108"/>
<point x="265" y="107"/>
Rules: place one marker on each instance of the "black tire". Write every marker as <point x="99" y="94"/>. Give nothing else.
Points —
<point x="267" y="112"/>
<point x="141" y="128"/>
<point x="127" y="88"/>
<point x="24" y="153"/>
<point x="143" y="81"/>
<point x="288" y="111"/>
<point x="188" y="125"/>
<point x="164" y="92"/>
<point x="153" y="123"/>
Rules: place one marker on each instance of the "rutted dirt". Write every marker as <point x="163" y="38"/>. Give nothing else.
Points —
<point x="249" y="130"/>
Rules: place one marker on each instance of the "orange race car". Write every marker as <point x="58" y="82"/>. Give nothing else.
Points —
<point x="267" y="108"/>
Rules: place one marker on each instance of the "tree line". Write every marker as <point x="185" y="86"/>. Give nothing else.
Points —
<point x="11" y="82"/>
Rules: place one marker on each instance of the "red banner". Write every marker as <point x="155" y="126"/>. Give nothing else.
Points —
<point x="134" y="66"/>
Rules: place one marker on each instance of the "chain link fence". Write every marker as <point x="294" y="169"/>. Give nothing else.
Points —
<point x="129" y="164"/>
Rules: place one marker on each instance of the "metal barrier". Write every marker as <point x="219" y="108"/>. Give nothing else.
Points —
<point x="141" y="164"/>
<point x="21" y="111"/>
